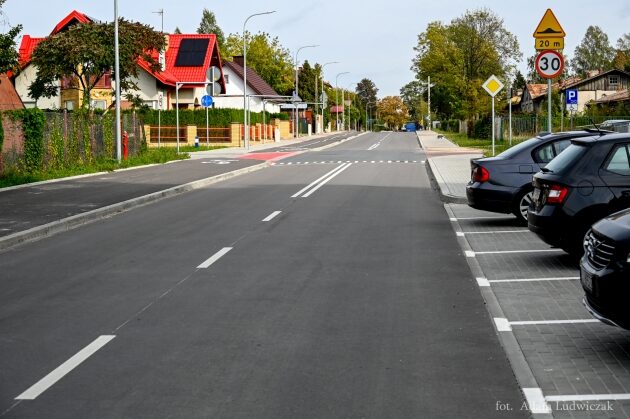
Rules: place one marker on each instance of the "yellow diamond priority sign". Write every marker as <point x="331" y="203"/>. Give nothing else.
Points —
<point x="493" y="85"/>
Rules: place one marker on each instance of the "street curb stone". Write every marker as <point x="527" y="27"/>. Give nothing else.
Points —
<point x="69" y="223"/>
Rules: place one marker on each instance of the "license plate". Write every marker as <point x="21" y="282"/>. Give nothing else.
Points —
<point x="587" y="280"/>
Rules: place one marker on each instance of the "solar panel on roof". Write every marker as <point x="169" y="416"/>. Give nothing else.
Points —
<point x="192" y="52"/>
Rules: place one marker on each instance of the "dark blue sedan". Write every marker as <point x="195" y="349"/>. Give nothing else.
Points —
<point x="504" y="183"/>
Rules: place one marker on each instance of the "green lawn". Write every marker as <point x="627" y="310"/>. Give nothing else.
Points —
<point x="463" y="140"/>
<point x="152" y="156"/>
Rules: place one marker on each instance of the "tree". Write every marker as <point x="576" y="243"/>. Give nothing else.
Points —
<point x="393" y="111"/>
<point x="8" y="53"/>
<point x="306" y="82"/>
<point x="460" y="56"/>
<point x="593" y="53"/>
<point x="412" y="96"/>
<point x="519" y="81"/>
<point x="84" y="54"/>
<point x="267" y="57"/>
<point x="367" y="90"/>
<point x="177" y="31"/>
<point x="209" y="25"/>
<point x="622" y="56"/>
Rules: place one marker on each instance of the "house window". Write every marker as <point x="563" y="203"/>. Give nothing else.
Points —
<point x="99" y="104"/>
<point x="226" y="77"/>
<point x="69" y="105"/>
<point x="613" y="81"/>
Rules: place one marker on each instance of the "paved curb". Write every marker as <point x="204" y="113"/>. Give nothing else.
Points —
<point x="437" y="182"/>
<point x="520" y="367"/>
<point x="69" y="223"/>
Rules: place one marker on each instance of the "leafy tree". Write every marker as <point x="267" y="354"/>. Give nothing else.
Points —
<point x="532" y="74"/>
<point x="84" y="54"/>
<point x="393" y="111"/>
<point x="177" y="31"/>
<point x="306" y="82"/>
<point x="519" y="81"/>
<point x="8" y="53"/>
<point x="209" y="25"/>
<point x="622" y="56"/>
<point x="367" y="90"/>
<point x="267" y="57"/>
<point x="460" y="56"/>
<point x="593" y="53"/>
<point x="412" y="96"/>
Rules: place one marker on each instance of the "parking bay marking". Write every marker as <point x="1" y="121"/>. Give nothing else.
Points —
<point x="504" y="325"/>
<point x="462" y="233"/>
<point x="471" y="254"/>
<point x="48" y="381"/>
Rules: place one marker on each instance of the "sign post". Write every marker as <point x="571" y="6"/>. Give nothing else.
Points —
<point x="206" y="102"/>
<point x="549" y="63"/>
<point x="493" y="86"/>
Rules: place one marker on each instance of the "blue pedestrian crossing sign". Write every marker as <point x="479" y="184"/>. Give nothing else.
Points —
<point x="572" y="97"/>
<point x="206" y="101"/>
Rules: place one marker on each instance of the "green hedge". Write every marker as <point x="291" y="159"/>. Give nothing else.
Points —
<point x="219" y="118"/>
<point x="33" y="121"/>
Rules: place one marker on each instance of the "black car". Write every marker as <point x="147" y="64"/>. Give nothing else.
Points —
<point x="585" y="183"/>
<point x="605" y="270"/>
<point x="504" y="183"/>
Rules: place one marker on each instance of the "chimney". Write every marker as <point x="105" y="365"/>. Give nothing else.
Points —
<point x="238" y="59"/>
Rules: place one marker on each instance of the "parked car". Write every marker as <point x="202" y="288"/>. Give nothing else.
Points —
<point x="605" y="270"/>
<point x="617" y="125"/>
<point x="585" y="183"/>
<point x="504" y="183"/>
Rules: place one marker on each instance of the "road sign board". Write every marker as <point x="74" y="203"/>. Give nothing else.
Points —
<point x="549" y="27"/>
<point x="493" y="85"/>
<point x="213" y="73"/>
<point x="206" y="101"/>
<point x="549" y="64"/>
<point x="213" y="89"/>
<point x="549" y="43"/>
<point x="572" y="97"/>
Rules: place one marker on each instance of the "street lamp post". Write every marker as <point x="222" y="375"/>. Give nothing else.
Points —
<point x="367" y="123"/>
<point x="337" y="98"/>
<point x="117" y="81"/>
<point x="316" y="97"/>
<point x="245" y="127"/>
<point x="295" y="113"/>
<point x="344" y="109"/>
<point x="429" y="85"/>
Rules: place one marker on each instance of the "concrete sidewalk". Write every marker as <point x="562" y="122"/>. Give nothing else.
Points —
<point x="449" y="164"/>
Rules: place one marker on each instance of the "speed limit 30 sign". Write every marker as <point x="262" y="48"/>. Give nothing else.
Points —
<point x="549" y="64"/>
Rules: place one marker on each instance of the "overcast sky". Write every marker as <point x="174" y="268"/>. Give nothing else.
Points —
<point x="372" y="39"/>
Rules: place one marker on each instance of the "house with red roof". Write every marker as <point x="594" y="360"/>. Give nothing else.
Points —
<point x="187" y="59"/>
<point x="262" y="95"/>
<point x="9" y="98"/>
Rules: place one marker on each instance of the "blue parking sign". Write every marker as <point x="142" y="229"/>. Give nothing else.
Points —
<point x="572" y="97"/>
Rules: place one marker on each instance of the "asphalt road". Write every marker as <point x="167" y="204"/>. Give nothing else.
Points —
<point x="328" y="285"/>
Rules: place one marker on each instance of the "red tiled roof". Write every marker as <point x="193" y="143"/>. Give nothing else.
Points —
<point x="73" y="18"/>
<point x="536" y="90"/>
<point x="337" y="109"/>
<point x="27" y="47"/>
<point x="9" y="98"/>
<point x="254" y="81"/>
<point x="622" y="95"/>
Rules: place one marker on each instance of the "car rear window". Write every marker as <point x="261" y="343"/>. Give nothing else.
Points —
<point x="512" y="151"/>
<point x="567" y="158"/>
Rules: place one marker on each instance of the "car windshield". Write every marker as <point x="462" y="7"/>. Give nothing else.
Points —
<point x="566" y="159"/>
<point x="513" y="151"/>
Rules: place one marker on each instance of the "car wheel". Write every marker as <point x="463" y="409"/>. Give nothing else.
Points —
<point x="522" y="204"/>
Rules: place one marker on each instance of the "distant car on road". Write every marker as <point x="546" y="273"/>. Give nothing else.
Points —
<point x="585" y="183"/>
<point x="605" y="270"/>
<point x="504" y="183"/>
<point x="410" y="127"/>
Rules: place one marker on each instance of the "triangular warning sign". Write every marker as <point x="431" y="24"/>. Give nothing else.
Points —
<point x="549" y="27"/>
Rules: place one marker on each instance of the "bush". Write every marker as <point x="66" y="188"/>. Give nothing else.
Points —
<point x="217" y="117"/>
<point x="483" y="129"/>
<point x="33" y="122"/>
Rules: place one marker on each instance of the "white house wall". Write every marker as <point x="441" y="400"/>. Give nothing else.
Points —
<point x="22" y="82"/>
<point x="234" y="95"/>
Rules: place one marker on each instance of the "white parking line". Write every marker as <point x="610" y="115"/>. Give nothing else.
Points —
<point x="272" y="216"/>
<point x="479" y="218"/>
<point x="536" y="401"/>
<point x="507" y="252"/>
<point x="496" y="232"/>
<point x="587" y="397"/>
<point x="504" y="325"/>
<point x="566" y="278"/>
<point x="56" y="375"/>
<point x="483" y="282"/>
<point x="214" y="258"/>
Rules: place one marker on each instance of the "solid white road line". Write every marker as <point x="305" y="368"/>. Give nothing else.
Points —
<point x="479" y="218"/>
<point x="218" y="255"/>
<point x="587" y="397"/>
<point x="507" y="252"/>
<point x="469" y="253"/>
<point x="323" y="182"/>
<point x="496" y="232"/>
<point x="315" y="182"/>
<point x="56" y="375"/>
<point x="549" y="322"/>
<point x="483" y="282"/>
<point x="536" y="401"/>
<point x="566" y="278"/>
<point x="272" y="216"/>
